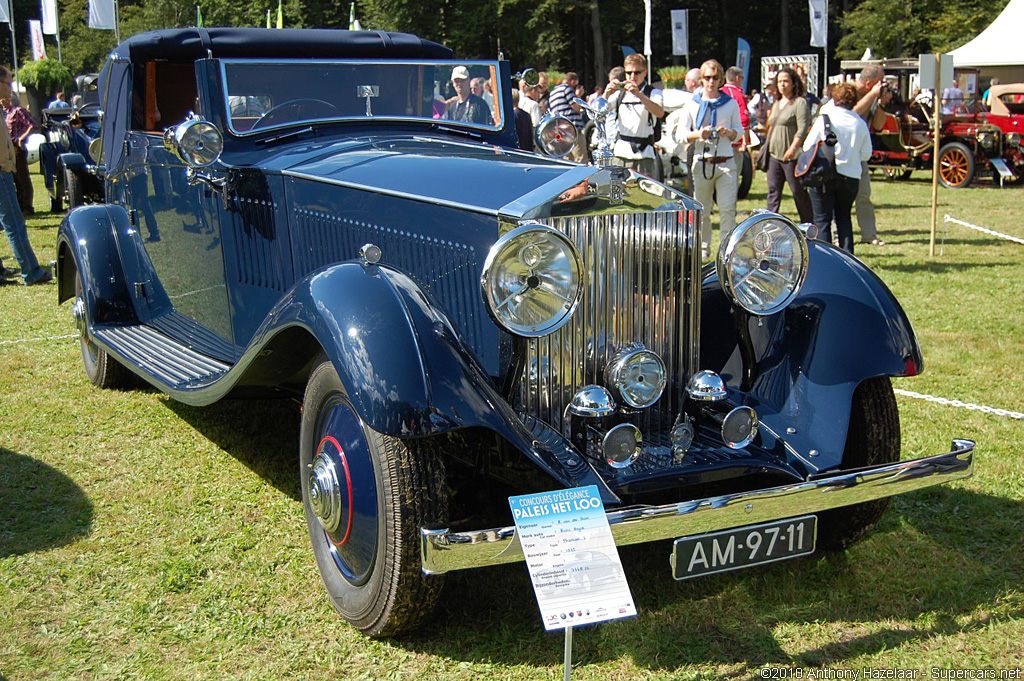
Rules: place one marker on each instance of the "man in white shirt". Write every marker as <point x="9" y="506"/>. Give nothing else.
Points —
<point x="528" y="101"/>
<point x="712" y="122"/>
<point x="637" y="107"/>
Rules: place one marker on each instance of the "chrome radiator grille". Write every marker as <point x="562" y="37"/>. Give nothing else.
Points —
<point x="643" y="286"/>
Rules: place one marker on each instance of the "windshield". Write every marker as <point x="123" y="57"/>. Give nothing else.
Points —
<point x="262" y="95"/>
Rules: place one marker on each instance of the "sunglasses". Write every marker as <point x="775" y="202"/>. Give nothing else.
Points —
<point x="711" y="76"/>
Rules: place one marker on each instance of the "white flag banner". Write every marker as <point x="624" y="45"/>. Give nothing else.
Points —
<point x="101" y="14"/>
<point x="5" y="11"/>
<point x="819" y="23"/>
<point x="647" y="28"/>
<point x="49" y="15"/>
<point x="679" y="33"/>
<point x="35" y="31"/>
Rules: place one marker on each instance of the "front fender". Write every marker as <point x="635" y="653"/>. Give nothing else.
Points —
<point x="403" y="364"/>
<point x="843" y="328"/>
<point x="86" y="243"/>
<point x="73" y="161"/>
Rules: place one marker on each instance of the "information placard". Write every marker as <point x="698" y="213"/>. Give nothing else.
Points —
<point x="572" y="558"/>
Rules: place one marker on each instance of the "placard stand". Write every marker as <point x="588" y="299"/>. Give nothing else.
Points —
<point x="568" y="654"/>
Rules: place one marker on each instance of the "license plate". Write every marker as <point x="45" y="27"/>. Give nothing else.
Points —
<point x="743" y="547"/>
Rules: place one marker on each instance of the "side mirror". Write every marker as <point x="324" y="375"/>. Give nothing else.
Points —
<point x="196" y="142"/>
<point x="531" y="76"/>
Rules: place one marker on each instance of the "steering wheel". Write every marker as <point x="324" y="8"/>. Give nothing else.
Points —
<point x="308" y="108"/>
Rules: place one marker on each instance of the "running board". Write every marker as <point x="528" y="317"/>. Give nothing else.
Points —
<point x="160" y="356"/>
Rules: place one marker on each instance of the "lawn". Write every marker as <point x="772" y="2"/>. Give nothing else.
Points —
<point x="141" y="538"/>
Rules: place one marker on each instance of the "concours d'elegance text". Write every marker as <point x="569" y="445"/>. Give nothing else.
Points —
<point x="888" y="673"/>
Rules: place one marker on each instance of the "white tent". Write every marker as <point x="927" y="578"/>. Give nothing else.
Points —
<point x="998" y="45"/>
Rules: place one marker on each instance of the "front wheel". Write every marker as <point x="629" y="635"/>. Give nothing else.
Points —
<point x="365" y="496"/>
<point x="74" y="191"/>
<point x="102" y="370"/>
<point x="956" y="165"/>
<point x="873" y="438"/>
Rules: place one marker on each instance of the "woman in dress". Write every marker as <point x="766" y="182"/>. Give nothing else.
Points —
<point x="787" y="127"/>
<point x="834" y="200"/>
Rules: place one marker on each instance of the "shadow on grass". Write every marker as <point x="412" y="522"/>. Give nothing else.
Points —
<point x="40" y="507"/>
<point x="944" y="551"/>
<point x="262" y="434"/>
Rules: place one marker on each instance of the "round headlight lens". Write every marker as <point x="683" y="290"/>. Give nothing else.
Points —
<point x="196" y="142"/>
<point x="637" y="375"/>
<point x="532" y="280"/>
<point x="556" y="135"/>
<point x="987" y="140"/>
<point x="1013" y="139"/>
<point x="763" y="263"/>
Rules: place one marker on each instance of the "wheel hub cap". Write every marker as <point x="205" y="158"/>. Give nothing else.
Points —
<point x="78" y="311"/>
<point x="325" y="492"/>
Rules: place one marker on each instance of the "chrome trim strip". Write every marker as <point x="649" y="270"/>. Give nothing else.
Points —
<point x="461" y="205"/>
<point x="444" y="551"/>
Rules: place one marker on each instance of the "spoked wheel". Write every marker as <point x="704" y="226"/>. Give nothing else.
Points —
<point x="896" y="173"/>
<point x="873" y="438"/>
<point x="366" y="495"/>
<point x="956" y="165"/>
<point x="103" y="370"/>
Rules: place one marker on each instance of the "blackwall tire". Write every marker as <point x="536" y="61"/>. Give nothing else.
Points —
<point x="102" y="370"/>
<point x="73" y="189"/>
<point x="873" y="438"/>
<point x="369" y="557"/>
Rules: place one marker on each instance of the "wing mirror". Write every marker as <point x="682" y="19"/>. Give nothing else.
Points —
<point x="195" y="141"/>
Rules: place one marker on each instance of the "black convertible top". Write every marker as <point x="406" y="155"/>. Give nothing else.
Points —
<point x="189" y="44"/>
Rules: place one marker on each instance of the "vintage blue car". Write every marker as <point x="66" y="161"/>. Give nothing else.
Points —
<point x="68" y="157"/>
<point x="325" y="215"/>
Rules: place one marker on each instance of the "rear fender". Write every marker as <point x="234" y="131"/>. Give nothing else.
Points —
<point x="404" y="366"/>
<point x="87" y="243"/>
<point x="843" y="328"/>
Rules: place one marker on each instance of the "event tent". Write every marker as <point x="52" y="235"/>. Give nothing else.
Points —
<point x="998" y="45"/>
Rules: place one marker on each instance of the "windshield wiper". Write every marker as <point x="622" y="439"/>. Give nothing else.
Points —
<point x="457" y="131"/>
<point x="285" y="135"/>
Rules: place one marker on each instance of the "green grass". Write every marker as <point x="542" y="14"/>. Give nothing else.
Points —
<point x="140" y="538"/>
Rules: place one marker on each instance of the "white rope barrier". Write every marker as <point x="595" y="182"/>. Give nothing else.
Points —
<point x="38" y="340"/>
<point x="963" y="405"/>
<point x="949" y="218"/>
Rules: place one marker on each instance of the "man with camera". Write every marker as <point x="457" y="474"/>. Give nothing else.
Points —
<point x="874" y="94"/>
<point x="712" y="122"/>
<point x="637" y="112"/>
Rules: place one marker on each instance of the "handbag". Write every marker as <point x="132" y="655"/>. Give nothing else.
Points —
<point x="816" y="166"/>
<point x="762" y="158"/>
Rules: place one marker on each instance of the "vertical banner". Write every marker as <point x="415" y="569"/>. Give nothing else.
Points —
<point x="743" y="59"/>
<point x="5" y="11"/>
<point x="48" y="12"/>
<point x="647" y="35"/>
<point x="819" y="23"/>
<point x="102" y="14"/>
<point x="680" y="42"/>
<point x="35" y="30"/>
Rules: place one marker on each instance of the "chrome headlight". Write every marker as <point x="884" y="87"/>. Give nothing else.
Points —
<point x="195" y="141"/>
<point x="637" y="376"/>
<point x="763" y="263"/>
<point x="64" y="136"/>
<point x="532" y="280"/>
<point x="556" y="135"/>
<point x="1013" y="139"/>
<point x="987" y="140"/>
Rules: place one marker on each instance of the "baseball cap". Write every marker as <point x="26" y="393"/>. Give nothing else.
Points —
<point x="460" y="73"/>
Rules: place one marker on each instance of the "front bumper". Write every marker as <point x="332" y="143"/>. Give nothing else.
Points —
<point x="444" y="551"/>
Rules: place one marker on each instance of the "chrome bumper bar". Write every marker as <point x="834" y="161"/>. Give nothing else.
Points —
<point x="444" y="551"/>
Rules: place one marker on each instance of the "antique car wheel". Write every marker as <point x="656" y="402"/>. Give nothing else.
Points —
<point x="896" y="173"/>
<point x="103" y="370"/>
<point x="57" y="200"/>
<point x="746" y="176"/>
<point x="73" y="189"/>
<point x="873" y="438"/>
<point x="365" y="496"/>
<point x="956" y="165"/>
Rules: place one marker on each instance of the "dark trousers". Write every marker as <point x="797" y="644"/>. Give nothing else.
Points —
<point x="23" y="181"/>
<point x="780" y="172"/>
<point x="835" y="201"/>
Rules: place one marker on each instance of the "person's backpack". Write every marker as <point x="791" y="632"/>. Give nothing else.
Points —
<point x="816" y="166"/>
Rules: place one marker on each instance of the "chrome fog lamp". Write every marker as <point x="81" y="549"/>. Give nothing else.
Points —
<point x="739" y="427"/>
<point x="532" y="280"/>
<point x="637" y="376"/>
<point x="706" y="386"/>
<point x="621" y="445"/>
<point x="987" y="140"/>
<point x="763" y="263"/>
<point x="556" y="135"/>
<point x="592" y="401"/>
<point x="196" y="142"/>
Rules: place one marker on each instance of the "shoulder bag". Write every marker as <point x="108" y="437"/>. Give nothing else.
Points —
<point x="816" y="166"/>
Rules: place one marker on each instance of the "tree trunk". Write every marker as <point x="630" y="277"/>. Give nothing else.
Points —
<point x="600" y="56"/>
<point x="784" y="32"/>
